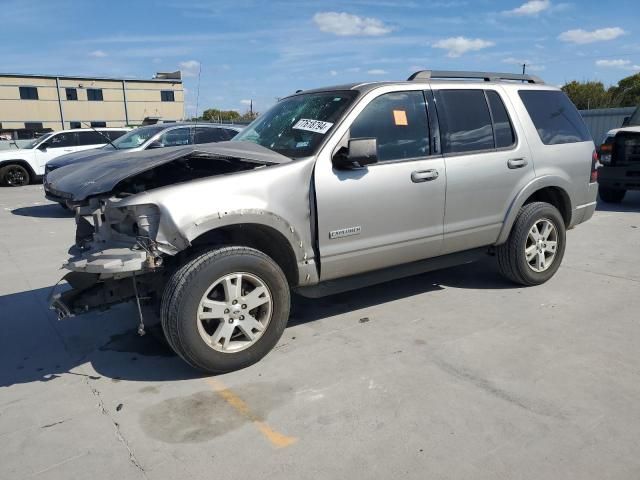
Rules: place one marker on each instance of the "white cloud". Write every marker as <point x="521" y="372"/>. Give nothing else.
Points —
<point x="457" y="46"/>
<point x="98" y="54"/>
<point x="581" y="36"/>
<point x="245" y="102"/>
<point x="533" y="7"/>
<point x="618" y="63"/>
<point x="377" y="71"/>
<point x="346" y="24"/>
<point x="190" y="68"/>
<point x="333" y="73"/>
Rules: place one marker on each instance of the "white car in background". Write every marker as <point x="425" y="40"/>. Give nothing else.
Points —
<point x="21" y="166"/>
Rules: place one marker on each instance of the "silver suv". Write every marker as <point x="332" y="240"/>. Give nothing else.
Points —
<point x="329" y="190"/>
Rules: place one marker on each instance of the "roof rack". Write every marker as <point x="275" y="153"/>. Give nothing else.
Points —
<point x="423" y="75"/>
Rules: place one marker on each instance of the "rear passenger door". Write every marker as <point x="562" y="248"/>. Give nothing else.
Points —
<point x="487" y="163"/>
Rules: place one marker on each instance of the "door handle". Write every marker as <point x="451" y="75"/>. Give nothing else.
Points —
<point x="423" y="176"/>
<point x="517" y="163"/>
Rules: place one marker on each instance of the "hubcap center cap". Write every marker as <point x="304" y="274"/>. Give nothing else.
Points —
<point x="234" y="311"/>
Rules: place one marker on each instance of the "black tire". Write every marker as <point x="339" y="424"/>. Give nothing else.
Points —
<point x="14" y="175"/>
<point x="185" y="288"/>
<point x="611" y="195"/>
<point x="512" y="261"/>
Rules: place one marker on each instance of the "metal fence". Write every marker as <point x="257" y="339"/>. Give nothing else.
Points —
<point x="601" y="120"/>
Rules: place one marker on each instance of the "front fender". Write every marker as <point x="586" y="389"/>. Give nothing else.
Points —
<point x="528" y="190"/>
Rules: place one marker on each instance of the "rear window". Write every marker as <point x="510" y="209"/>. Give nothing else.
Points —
<point x="555" y="117"/>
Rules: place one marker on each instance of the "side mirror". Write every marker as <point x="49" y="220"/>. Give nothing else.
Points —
<point x="360" y="153"/>
<point x="155" y="144"/>
<point x="625" y="121"/>
<point x="43" y="146"/>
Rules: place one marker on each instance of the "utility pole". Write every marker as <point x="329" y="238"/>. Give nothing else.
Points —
<point x="251" y="108"/>
<point x="524" y="66"/>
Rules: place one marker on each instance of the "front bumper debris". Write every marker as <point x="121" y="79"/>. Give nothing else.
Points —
<point x="109" y="261"/>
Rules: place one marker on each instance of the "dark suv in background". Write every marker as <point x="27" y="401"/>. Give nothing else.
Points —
<point x="619" y="157"/>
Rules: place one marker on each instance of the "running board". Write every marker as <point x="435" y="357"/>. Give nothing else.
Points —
<point x="340" y="285"/>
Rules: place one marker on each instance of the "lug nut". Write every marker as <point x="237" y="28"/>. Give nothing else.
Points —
<point x="234" y="302"/>
<point x="231" y="320"/>
<point x="241" y="317"/>
<point x="244" y="306"/>
<point x="226" y="310"/>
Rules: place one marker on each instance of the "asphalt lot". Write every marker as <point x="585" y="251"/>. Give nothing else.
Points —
<point x="451" y="374"/>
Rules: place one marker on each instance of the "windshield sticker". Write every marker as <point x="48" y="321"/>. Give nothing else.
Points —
<point x="400" y="118"/>
<point x="302" y="144"/>
<point x="315" y="126"/>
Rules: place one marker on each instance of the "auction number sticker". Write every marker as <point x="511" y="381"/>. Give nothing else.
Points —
<point x="315" y="126"/>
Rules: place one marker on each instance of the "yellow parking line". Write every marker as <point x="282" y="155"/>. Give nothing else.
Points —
<point x="276" y="438"/>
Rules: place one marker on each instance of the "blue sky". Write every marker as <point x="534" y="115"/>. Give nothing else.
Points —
<point x="260" y="50"/>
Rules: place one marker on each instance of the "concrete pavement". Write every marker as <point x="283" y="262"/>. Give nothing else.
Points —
<point x="452" y="374"/>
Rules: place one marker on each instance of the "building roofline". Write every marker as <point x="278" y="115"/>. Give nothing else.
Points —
<point x="84" y="77"/>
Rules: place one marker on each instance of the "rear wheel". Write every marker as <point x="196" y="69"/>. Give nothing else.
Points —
<point x="225" y="309"/>
<point x="533" y="252"/>
<point x="14" y="175"/>
<point x="611" y="195"/>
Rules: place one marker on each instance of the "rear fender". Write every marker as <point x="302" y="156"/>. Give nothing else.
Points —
<point x="532" y="187"/>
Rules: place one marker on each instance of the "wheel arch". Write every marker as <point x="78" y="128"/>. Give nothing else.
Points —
<point x="552" y="190"/>
<point x="268" y="239"/>
<point x="22" y="162"/>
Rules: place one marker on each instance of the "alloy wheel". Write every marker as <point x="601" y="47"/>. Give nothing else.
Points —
<point x="541" y="245"/>
<point x="234" y="312"/>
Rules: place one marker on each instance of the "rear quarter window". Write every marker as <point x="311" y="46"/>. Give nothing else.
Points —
<point x="555" y="117"/>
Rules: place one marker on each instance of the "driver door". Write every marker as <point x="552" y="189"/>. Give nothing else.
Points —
<point x="390" y="212"/>
<point x="58" y="144"/>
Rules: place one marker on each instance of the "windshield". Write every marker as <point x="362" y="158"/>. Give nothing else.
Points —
<point x="296" y="126"/>
<point x="36" y="141"/>
<point x="137" y="137"/>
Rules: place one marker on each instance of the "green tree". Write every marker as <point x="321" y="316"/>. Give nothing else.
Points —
<point x="587" y="95"/>
<point x="223" y="116"/>
<point x="627" y="92"/>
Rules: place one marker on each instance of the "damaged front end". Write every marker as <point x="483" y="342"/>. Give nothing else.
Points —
<point x="122" y="244"/>
<point x="117" y="257"/>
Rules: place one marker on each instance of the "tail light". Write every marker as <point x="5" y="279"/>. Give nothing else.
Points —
<point x="605" y="153"/>
<point x="594" y="167"/>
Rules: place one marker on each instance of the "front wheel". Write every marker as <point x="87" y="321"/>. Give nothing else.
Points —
<point x="533" y="252"/>
<point x="611" y="195"/>
<point x="225" y="309"/>
<point x="14" y="175"/>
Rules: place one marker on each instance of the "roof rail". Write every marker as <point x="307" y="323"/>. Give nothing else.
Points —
<point x="425" y="75"/>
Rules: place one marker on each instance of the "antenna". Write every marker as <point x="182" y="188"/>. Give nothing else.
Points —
<point x="193" y="139"/>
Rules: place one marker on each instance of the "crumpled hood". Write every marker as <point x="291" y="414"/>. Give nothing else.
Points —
<point x="75" y="157"/>
<point x="79" y="181"/>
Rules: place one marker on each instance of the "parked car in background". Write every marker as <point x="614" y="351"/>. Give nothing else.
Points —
<point x="155" y="136"/>
<point x="143" y="138"/>
<point x="619" y="156"/>
<point x="331" y="189"/>
<point x="23" y="165"/>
